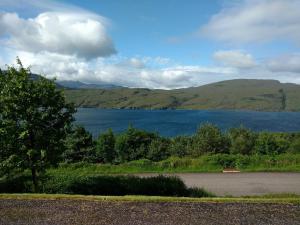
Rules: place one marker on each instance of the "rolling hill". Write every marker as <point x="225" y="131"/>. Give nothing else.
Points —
<point x="241" y="94"/>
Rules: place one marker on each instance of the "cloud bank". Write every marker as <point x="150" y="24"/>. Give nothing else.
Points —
<point x="235" y="58"/>
<point x="80" y="34"/>
<point x="256" y="21"/>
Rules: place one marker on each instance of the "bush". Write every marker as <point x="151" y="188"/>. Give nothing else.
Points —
<point x="209" y="139"/>
<point x="105" y="185"/>
<point x="180" y="146"/>
<point x="119" y="185"/>
<point x="295" y="146"/>
<point x="17" y="184"/>
<point x="224" y="160"/>
<point x="199" y="192"/>
<point x="242" y="140"/>
<point x="159" y="149"/>
<point x="105" y="147"/>
<point x="79" y="146"/>
<point x="133" y="144"/>
<point x="123" y="185"/>
<point x="272" y="143"/>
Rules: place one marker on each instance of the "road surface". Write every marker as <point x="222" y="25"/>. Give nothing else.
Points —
<point x="241" y="184"/>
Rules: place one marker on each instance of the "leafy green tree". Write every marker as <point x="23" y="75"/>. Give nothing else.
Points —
<point x="79" y="146"/>
<point x="159" y="149"/>
<point x="180" y="146"/>
<point x="272" y="143"/>
<point x="105" y="147"/>
<point x="133" y="144"/>
<point x="295" y="145"/>
<point x="242" y="140"/>
<point x="34" y="120"/>
<point x="209" y="139"/>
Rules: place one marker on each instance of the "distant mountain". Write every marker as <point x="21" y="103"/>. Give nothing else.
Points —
<point x="81" y="85"/>
<point x="242" y="94"/>
<point x="37" y="76"/>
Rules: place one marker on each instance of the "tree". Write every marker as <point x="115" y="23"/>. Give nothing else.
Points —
<point x="180" y="146"/>
<point x="80" y="146"/>
<point x="272" y="143"/>
<point x="105" y="147"/>
<point x="34" y="120"/>
<point x="295" y="145"/>
<point x="159" y="149"/>
<point x="242" y="140"/>
<point x="209" y="139"/>
<point x="133" y="144"/>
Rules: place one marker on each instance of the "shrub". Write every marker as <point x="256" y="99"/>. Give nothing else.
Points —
<point x="242" y="140"/>
<point x="133" y="144"/>
<point x="209" y="139"/>
<point x="224" y="160"/>
<point x="79" y="146"/>
<point x="272" y="143"/>
<point x="180" y="146"/>
<point x="159" y="149"/>
<point x="16" y="184"/>
<point x="199" y="192"/>
<point x="105" y="147"/>
<point x="295" y="146"/>
<point x="122" y="185"/>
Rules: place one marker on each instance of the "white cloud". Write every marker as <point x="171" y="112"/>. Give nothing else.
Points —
<point x="235" y="58"/>
<point x="135" y="62"/>
<point x="119" y="71"/>
<point x="256" y="21"/>
<point x="69" y="33"/>
<point x="285" y="63"/>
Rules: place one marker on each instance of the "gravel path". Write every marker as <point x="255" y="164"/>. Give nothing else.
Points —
<point x="75" y="212"/>
<point x="241" y="184"/>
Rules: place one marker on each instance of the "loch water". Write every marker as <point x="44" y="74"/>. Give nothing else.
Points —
<point x="183" y="122"/>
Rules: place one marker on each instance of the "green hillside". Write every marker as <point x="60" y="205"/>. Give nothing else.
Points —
<point x="262" y="95"/>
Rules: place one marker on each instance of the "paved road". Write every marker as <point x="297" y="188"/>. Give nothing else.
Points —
<point x="241" y="184"/>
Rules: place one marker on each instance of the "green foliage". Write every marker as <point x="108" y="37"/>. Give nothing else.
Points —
<point x="79" y="146"/>
<point x="105" y="147"/>
<point x="34" y="120"/>
<point x="16" y="184"/>
<point x="272" y="143"/>
<point x="180" y="146"/>
<point x="133" y="144"/>
<point x="209" y="139"/>
<point x="105" y="185"/>
<point x="242" y="140"/>
<point x="295" y="146"/>
<point x="159" y="149"/>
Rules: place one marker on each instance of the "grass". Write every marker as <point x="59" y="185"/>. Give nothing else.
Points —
<point x="206" y="163"/>
<point x="275" y="198"/>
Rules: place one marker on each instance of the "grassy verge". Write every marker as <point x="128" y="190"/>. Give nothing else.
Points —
<point x="206" y="163"/>
<point x="280" y="199"/>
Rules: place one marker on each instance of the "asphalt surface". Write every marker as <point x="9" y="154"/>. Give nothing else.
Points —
<point x="78" y="212"/>
<point x="241" y="184"/>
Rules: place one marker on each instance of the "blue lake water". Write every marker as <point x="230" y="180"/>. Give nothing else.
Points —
<point x="183" y="122"/>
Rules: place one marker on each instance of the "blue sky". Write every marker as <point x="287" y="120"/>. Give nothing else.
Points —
<point x="153" y="43"/>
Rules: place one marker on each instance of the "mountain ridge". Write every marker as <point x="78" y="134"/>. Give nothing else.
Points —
<point x="238" y="94"/>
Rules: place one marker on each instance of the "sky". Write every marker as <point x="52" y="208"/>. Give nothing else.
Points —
<point x="153" y="43"/>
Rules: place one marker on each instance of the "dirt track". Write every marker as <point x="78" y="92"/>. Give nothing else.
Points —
<point x="241" y="184"/>
<point x="75" y="212"/>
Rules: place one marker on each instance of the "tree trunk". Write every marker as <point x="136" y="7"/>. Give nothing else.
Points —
<point x="34" y="179"/>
